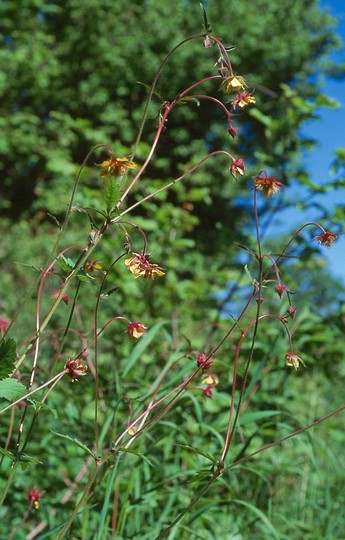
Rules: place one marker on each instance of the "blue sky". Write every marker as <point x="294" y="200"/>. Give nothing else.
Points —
<point x="329" y="132"/>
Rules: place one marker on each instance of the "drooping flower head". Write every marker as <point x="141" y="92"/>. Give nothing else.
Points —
<point x="136" y="330"/>
<point x="268" y="185"/>
<point x="208" y="391"/>
<point x="210" y="378"/>
<point x="234" y="83"/>
<point x="292" y="360"/>
<point x="232" y="130"/>
<point x="204" y="361"/>
<point x="242" y="100"/>
<point x="75" y="368"/>
<point x="115" y="166"/>
<point x="139" y="264"/>
<point x="237" y="167"/>
<point x="326" y="239"/>
<point x="91" y="266"/>
<point x="292" y="312"/>
<point x="281" y="289"/>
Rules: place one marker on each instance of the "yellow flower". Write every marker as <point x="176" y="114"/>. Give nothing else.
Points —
<point x="141" y="266"/>
<point x="115" y="166"/>
<point x="210" y="378"/>
<point x="292" y="360"/>
<point x="242" y="100"/>
<point x="235" y="83"/>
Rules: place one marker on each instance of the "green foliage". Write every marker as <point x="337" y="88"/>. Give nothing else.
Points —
<point x="11" y="389"/>
<point x="132" y="442"/>
<point x="7" y="357"/>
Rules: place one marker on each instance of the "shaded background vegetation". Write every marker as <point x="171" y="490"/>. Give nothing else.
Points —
<point x="70" y="79"/>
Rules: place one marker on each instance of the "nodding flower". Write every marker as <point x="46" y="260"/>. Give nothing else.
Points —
<point x="243" y="99"/>
<point x="234" y="83"/>
<point x="139" y="264"/>
<point x="268" y="185"/>
<point x="115" y="166"/>
<point x="136" y="330"/>
<point x="292" y="360"/>
<point x="75" y="368"/>
<point x="237" y="167"/>
<point x="326" y="239"/>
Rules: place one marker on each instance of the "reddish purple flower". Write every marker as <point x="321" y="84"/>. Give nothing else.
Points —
<point x="232" y="130"/>
<point x="75" y="368"/>
<point x="136" y="330"/>
<point x="292" y="312"/>
<point x="280" y="289"/>
<point x="204" y="361"/>
<point x="207" y="43"/>
<point x="237" y="167"/>
<point x="208" y="391"/>
<point x="4" y="324"/>
<point x="34" y="497"/>
<point x="326" y="239"/>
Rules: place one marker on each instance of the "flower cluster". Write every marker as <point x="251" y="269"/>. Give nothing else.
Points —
<point x="139" y="264"/>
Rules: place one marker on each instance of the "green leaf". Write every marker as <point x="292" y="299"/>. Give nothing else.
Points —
<point x="12" y="389"/>
<point x="7" y="453"/>
<point x="257" y="415"/>
<point x="198" y="452"/>
<point x="139" y="454"/>
<point x="7" y="357"/>
<point x="66" y="263"/>
<point x="26" y="460"/>
<point x="40" y="406"/>
<point x="260" y="514"/>
<point x="83" y="276"/>
<point x="111" y="193"/>
<point x="203" y="474"/>
<point x="109" y="293"/>
<point x="76" y="442"/>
